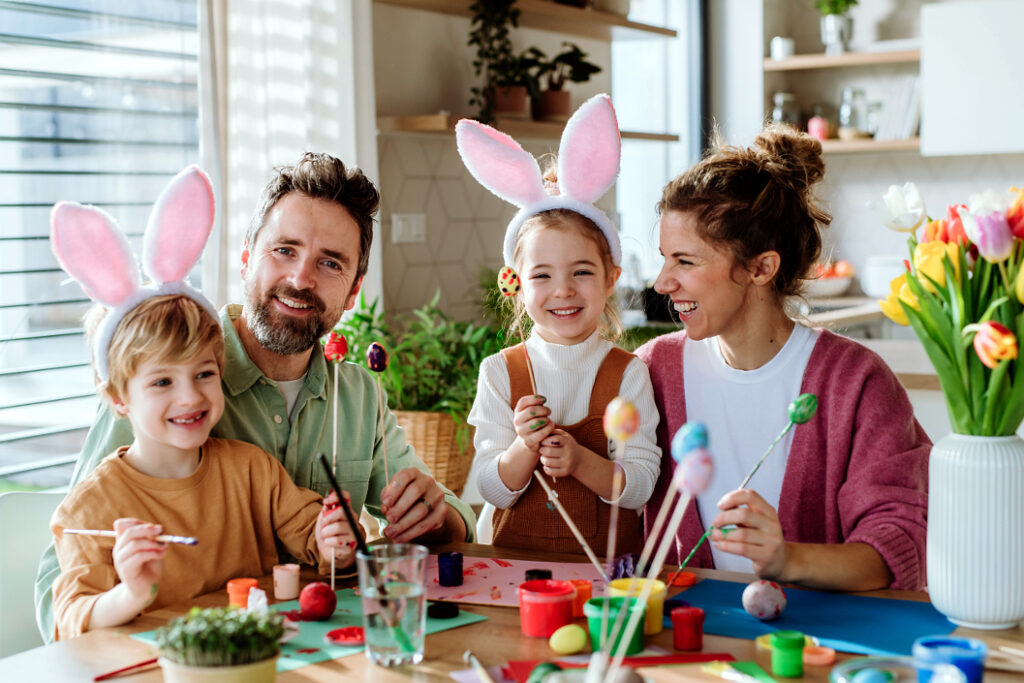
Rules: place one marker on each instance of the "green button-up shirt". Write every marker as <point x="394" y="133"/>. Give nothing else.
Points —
<point x="255" y="411"/>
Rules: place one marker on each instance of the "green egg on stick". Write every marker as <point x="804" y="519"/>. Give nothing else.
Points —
<point x="801" y="410"/>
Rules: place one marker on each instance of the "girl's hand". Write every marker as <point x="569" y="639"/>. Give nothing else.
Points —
<point x="560" y="455"/>
<point x="758" y="534"/>
<point x="333" y="534"/>
<point x="138" y="559"/>
<point x="532" y="421"/>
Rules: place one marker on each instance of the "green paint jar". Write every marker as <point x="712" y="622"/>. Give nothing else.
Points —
<point x="788" y="653"/>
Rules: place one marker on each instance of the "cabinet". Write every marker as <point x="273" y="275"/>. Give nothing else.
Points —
<point x="539" y="14"/>
<point x="817" y="75"/>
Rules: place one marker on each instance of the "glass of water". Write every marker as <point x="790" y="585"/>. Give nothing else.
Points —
<point x="392" y="582"/>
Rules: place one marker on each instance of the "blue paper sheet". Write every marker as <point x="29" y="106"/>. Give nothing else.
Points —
<point x="848" y="623"/>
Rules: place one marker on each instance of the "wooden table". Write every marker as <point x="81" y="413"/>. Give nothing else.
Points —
<point x="494" y="641"/>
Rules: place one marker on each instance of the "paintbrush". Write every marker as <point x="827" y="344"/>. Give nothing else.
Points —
<point x="162" y="538"/>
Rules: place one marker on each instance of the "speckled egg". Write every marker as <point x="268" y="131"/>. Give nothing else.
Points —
<point x="508" y="281"/>
<point x="621" y="419"/>
<point x="568" y="640"/>
<point x="694" y="471"/>
<point x="764" y="600"/>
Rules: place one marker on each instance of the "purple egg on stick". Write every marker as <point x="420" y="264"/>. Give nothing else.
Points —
<point x="377" y="357"/>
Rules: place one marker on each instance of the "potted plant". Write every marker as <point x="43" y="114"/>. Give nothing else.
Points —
<point x="223" y="644"/>
<point x="504" y="88"/>
<point x="836" y="24"/>
<point x="430" y="378"/>
<point x="551" y="102"/>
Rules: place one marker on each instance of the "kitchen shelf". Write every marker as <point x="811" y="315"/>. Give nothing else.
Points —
<point x="869" y="145"/>
<point x="549" y="16"/>
<point x="821" y="61"/>
<point x="518" y="128"/>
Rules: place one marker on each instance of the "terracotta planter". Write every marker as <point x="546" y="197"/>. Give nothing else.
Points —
<point x="257" y="672"/>
<point x="552" y="105"/>
<point x="510" y="101"/>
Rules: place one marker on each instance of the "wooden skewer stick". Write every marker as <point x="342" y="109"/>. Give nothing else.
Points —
<point x="383" y="434"/>
<point x="334" y="454"/>
<point x="162" y="538"/>
<point x="481" y="672"/>
<point x="572" y="525"/>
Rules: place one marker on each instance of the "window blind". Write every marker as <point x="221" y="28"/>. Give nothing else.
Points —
<point x="98" y="104"/>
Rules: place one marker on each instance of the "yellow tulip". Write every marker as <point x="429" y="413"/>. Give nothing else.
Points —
<point x="928" y="261"/>
<point x="891" y="304"/>
<point x="1018" y="285"/>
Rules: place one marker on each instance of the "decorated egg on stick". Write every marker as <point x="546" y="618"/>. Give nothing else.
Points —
<point x="336" y="347"/>
<point x="377" y="357"/>
<point x="764" y="600"/>
<point x="508" y="281"/>
<point x="621" y="419"/>
<point x="689" y="437"/>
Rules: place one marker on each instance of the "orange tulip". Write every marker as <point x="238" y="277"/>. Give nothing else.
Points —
<point x="994" y="342"/>
<point x="1015" y="216"/>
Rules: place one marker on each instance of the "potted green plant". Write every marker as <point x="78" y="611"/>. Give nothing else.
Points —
<point x="430" y="379"/>
<point x="551" y="101"/>
<point x="504" y="87"/>
<point x="223" y="644"/>
<point x="836" y="24"/>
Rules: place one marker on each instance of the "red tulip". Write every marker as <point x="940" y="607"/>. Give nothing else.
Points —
<point x="954" y="226"/>
<point x="993" y="343"/>
<point x="1015" y="216"/>
<point x="336" y="347"/>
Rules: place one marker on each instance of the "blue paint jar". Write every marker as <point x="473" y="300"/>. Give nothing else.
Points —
<point x="449" y="569"/>
<point x="966" y="654"/>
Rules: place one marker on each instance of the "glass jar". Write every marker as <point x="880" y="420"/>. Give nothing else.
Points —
<point x="853" y="119"/>
<point x="785" y="110"/>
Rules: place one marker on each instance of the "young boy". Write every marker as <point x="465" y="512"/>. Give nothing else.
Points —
<point x="164" y="365"/>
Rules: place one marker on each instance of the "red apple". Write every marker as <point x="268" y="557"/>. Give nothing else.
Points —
<point x="317" y="601"/>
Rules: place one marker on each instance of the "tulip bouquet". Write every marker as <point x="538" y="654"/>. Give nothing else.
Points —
<point x="963" y="294"/>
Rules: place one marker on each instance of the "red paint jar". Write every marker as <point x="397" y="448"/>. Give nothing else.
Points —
<point x="687" y="628"/>
<point x="545" y="606"/>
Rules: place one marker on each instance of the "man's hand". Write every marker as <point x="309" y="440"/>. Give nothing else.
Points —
<point x="333" y="534"/>
<point x="138" y="559"/>
<point x="413" y="504"/>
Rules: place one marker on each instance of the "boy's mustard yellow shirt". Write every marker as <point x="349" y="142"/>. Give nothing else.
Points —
<point x="239" y="504"/>
<point x="255" y="411"/>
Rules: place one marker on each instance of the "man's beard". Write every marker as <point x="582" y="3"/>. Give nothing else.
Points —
<point x="281" y="333"/>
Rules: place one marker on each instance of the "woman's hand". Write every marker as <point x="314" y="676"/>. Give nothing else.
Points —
<point x="560" y="454"/>
<point x="333" y="534"/>
<point x="532" y="421"/>
<point x="757" y="536"/>
<point x="138" y="559"/>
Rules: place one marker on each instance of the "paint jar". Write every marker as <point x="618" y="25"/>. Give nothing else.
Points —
<point x="655" y="601"/>
<point x="966" y="654"/>
<point x="788" y="653"/>
<point x="238" y="591"/>
<point x="286" y="581"/>
<point x="545" y="605"/>
<point x="593" y="610"/>
<point x="584" y="591"/>
<point x="449" y="569"/>
<point x="688" y="628"/>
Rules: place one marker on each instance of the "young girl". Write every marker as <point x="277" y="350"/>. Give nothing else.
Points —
<point x="566" y="253"/>
<point x="842" y="501"/>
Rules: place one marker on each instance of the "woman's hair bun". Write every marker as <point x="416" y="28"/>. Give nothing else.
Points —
<point x="792" y="157"/>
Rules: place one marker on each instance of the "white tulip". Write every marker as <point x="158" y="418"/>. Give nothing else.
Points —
<point x="903" y="208"/>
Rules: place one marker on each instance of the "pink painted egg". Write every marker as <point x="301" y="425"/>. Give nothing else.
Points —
<point x="694" y="471"/>
<point x="621" y="420"/>
<point x="764" y="600"/>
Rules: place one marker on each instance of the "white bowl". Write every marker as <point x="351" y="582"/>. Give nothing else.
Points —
<point x="825" y="287"/>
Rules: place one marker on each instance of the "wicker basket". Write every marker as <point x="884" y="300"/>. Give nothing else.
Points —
<point x="433" y="435"/>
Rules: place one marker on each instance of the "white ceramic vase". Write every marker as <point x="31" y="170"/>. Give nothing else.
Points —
<point x="976" y="530"/>
<point x="264" y="671"/>
<point x="836" y="31"/>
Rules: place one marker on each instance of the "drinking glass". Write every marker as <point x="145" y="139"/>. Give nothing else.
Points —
<point x="392" y="582"/>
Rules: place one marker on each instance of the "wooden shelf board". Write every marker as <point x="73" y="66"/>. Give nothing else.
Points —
<point x="816" y="61"/>
<point x="550" y="16"/>
<point x="517" y="128"/>
<point x="869" y="145"/>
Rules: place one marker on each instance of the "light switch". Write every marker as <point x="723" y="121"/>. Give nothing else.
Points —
<point x="408" y="228"/>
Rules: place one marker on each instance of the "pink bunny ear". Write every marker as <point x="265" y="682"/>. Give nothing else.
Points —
<point x="589" y="153"/>
<point x="89" y="246"/>
<point x="179" y="226"/>
<point x="499" y="163"/>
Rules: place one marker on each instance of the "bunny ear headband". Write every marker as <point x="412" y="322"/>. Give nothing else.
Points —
<point x="93" y="250"/>
<point x="588" y="163"/>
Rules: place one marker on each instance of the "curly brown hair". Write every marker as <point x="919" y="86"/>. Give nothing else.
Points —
<point x="757" y="199"/>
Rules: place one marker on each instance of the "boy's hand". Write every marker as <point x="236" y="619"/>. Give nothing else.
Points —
<point x="532" y="421"/>
<point x="560" y="454"/>
<point x="333" y="534"/>
<point x="138" y="559"/>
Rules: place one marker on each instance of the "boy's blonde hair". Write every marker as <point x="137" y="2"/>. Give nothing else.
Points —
<point x="164" y="329"/>
<point x="610" y="325"/>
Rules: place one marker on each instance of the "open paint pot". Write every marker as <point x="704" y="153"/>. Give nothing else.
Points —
<point x="966" y="654"/>
<point x="655" y="601"/>
<point x="545" y="605"/>
<point x="593" y="610"/>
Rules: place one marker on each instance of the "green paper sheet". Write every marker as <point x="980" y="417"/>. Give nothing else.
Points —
<point x="309" y="647"/>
